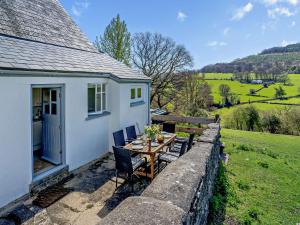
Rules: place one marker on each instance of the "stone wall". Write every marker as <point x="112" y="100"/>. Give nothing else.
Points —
<point x="180" y="193"/>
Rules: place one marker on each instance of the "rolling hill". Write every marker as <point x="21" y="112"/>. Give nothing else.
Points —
<point x="288" y="57"/>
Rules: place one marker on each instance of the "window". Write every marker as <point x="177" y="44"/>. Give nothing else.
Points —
<point x="136" y="94"/>
<point x="97" y="98"/>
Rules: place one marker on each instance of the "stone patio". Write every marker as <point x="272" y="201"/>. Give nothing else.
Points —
<point x="91" y="197"/>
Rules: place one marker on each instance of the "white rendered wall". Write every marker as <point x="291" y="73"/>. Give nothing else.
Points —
<point x="85" y="140"/>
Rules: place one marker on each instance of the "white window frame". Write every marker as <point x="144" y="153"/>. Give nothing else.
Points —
<point x="136" y="98"/>
<point x="101" y="92"/>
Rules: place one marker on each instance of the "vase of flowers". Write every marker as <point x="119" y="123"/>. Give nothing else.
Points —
<point x="151" y="131"/>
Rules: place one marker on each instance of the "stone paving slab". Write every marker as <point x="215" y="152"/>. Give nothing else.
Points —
<point x="92" y="197"/>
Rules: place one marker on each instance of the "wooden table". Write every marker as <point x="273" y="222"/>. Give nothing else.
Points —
<point x="152" y="154"/>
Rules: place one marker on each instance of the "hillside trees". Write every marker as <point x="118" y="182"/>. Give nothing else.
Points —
<point x="279" y="121"/>
<point x="196" y="95"/>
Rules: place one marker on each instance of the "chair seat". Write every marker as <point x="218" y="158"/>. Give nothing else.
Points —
<point x="168" y="157"/>
<point x="175" y="148"/>
<point x="137" y="161"/>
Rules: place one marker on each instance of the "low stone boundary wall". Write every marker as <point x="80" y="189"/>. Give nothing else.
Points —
<point x="180" y="193"/>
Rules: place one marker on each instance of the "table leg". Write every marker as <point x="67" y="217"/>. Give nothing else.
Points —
<point x="152" y="164"/>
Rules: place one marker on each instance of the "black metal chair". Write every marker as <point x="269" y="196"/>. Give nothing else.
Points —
<point x="127" y="164"/>
<point x="131" y="133"/>
<point x="119" y="138"/>
<point x="169" y="157"/>
<point x="169" y="127"/>
<point x="190" y="142"/>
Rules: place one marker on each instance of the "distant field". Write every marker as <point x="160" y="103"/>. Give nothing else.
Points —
<point x="225" y="112"/>
<point x="218" y="75"/>
<point x="288" y="101"/>
<point x="264" y="178"/>
<point x="243" y="89"/>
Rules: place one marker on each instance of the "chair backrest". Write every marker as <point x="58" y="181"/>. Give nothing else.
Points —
<point x="131" y="133"/>
<point x="123" y="160"/>
<point x="119" y="138"/>
<point x="183" y="148"/>
<point x="190" y="142"/>
<point x="169" y="127"/>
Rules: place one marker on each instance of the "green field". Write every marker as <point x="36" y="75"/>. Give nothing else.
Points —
<point x="225" y="112"/>
<point x="264" y="178"/>
<point x="243" y="89"/>
<point x="219" y="76"/>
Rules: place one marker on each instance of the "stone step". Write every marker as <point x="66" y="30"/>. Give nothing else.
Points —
<point x="49" y="181"/>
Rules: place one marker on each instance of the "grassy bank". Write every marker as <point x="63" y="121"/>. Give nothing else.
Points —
<point x="263" y="178"/>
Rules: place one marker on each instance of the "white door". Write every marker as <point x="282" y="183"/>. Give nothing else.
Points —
<point x="52" y="150"/>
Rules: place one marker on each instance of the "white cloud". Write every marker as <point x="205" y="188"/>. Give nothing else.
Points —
<point x="217" y="44"/>
<point x="226" y="31"/>
<point x="275" y="2"/>
<point x="293" y="2"/>
<point x="293" y="23"/>
<point x="280" y="11"/>
<point x="285" y="43"/>
<point x="242" y="12"/>
<point x="181" y="16"/>
<point x="79" y="6"/>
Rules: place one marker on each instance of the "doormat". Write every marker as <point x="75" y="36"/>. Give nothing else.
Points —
<point x="50" y="195"/>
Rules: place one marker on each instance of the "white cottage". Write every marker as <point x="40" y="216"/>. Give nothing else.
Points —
<point x="60" y="98"/>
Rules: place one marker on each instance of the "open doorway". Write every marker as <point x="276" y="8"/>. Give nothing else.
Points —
<point x="46" y="129"/>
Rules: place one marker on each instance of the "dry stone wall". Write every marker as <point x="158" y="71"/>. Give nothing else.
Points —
<point x="180" y="193"/>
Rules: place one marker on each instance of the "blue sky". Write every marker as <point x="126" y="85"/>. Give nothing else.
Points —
<point x="213" y="31"/>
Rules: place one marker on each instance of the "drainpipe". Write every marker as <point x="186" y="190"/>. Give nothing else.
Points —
<point x="149" y="96"/>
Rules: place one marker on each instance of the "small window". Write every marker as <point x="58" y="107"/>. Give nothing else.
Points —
<point x="97" y="98"/>
<point x="136" y="94"/>
<point x="132" y="93"/>
<point x="139" y="92"/>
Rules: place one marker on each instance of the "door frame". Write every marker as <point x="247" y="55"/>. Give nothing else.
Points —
<point x="62" y="133"/>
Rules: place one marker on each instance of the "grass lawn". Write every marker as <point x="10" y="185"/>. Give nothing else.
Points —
<point x="264" y="178"/>
<point x="243" y="89"/>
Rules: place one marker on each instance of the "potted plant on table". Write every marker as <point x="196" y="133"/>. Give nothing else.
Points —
<point x="151" y="131"/>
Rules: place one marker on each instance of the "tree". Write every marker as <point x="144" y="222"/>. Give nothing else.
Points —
<point x="195" y="95"/>
<point x="279" y="92"/>
<point x="161" y="59"/>
<point x="224" y="91"/>
<point x="116" y="41"/>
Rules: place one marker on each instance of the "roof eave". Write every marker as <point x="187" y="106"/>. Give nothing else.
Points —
<point x="5" y="72"/>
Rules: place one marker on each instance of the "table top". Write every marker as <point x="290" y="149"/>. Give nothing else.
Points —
<point x="145" y="149"/>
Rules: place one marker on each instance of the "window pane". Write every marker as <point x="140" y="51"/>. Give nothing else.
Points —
<point x="139" y="92"/>
<point x="53" y="109"/>
<point x="53" y="95"/>
<point x="98" y="88"/>
<point x="98" y="102"/>
<point x="103" y="87"/>
<point x="132" y="93"/>
<point x="103" y="101"/>
<point x="46" y="94"/>
<point x="91" y="100"/>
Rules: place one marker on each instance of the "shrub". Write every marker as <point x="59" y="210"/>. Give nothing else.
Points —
<point x="271" y="123"/>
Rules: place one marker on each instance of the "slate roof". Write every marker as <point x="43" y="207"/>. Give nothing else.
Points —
<point x="39" y="35"/>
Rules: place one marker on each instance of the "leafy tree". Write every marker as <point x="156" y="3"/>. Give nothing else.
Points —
<point x="116" y="41"/>
<point x="161" y="59"/>
<point x="224" y="91"/>
<point x="271" y="122"/>
<point x="279" y="92"/>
